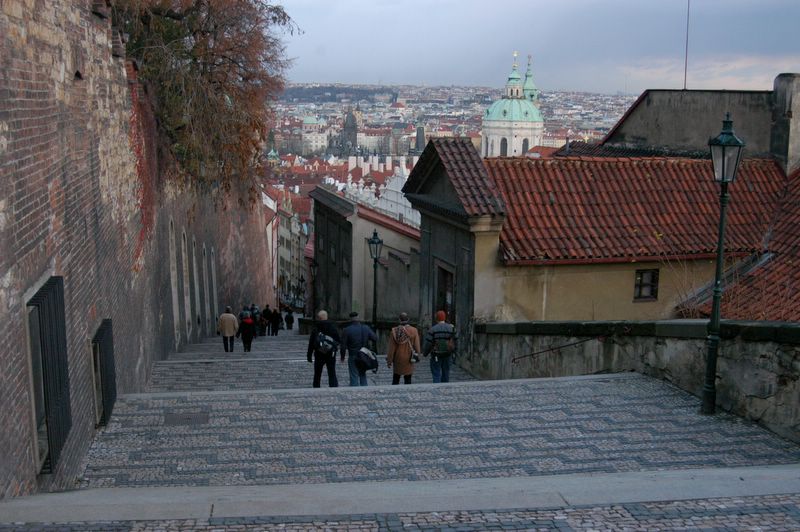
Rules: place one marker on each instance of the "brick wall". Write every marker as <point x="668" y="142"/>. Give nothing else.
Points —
<point x="84" y="196"/>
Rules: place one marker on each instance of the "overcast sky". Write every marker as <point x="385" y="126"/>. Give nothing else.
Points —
<point x="590" y="45"/>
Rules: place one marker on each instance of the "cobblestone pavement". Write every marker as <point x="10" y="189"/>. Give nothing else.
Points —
<point x="766" y="513"/>
<point x="276" y="362"/>
<point x="613" y="423"/>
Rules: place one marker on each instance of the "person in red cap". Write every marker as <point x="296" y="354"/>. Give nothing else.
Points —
<point x="440" y="343"/>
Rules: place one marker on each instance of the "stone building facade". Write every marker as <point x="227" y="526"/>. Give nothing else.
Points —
<point x="105" y="265"/>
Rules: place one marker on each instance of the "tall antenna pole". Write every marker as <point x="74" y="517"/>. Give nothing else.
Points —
<point x="686" y="56"/>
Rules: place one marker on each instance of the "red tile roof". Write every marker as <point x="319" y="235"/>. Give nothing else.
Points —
<point x="771" y="290"/>
<point x="584" y="210"/>
<point x="477" y="193"/>
<point x="302" y="206"/>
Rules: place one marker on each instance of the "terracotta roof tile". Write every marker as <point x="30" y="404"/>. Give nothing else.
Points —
<point x="477" y="193"/>
<point x="586" y="210"/>
<point x="771" y="290"/>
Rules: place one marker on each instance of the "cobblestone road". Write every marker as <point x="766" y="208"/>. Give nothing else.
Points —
<point x="767" y="513"/>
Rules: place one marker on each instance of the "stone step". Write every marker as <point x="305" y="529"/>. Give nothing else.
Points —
<point x="256" y="371"/>
<point x="603" y="424"/>
<point x="738" y="493"/>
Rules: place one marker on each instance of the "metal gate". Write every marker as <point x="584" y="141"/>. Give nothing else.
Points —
<point x="104" y="339"/>
<point x="49" y="301"/>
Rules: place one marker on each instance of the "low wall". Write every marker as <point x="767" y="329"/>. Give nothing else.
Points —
<point x="757" y="368"/>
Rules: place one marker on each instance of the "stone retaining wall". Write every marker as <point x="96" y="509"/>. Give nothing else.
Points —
<point x="757" y="369"/>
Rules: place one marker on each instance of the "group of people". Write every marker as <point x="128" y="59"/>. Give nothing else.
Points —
<point x="403" y="349"/>
<point x="250" y="323"/>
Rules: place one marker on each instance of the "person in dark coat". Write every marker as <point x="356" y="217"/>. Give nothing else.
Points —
<point x="255" y="313"/>
<point x="355" y="336"/>
<point x="275" y="322"/>
<point x="289" y="320"/>
<point x="324" y="326"/>
<point x="267" y="314"/>
<point x="247" y="330"/>
<point x="263" y="323"/>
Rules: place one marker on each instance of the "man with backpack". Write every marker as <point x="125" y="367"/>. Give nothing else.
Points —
<point x="356" y="335"/>
<point x="323" y="344"/>
<point x="440" y="343"/>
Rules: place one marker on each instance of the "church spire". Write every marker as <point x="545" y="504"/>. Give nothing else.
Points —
<point x="529" y="89"/>
<point x="514" y="83"/>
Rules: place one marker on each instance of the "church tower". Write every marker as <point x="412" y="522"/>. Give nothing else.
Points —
<point x="513" y="124"/>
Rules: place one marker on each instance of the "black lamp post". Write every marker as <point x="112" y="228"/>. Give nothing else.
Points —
<point x="375" y="246"/>
<point x="726" y="154"/>
<point x="314" y="266"/>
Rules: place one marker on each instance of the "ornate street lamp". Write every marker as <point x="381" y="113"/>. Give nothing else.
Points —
<point x="726" y="154"/>
<point x="375" y="246"/>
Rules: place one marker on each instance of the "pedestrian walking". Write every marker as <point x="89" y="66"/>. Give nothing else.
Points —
<point x="263" y="323"/>
<point x="275" y="322"/>
<point x="289" y="320"/>
<point x="403" y="350"/>
<point x="247" y="330"/>
<point x="267" y="314"/>
<point x="227" y="326"/>
<point x="355" y="336"/>
<point x="324" y="355"/>
<point x="245" y="308"/>
<point x="255" y="313"/>
<point x="440" y="343"/>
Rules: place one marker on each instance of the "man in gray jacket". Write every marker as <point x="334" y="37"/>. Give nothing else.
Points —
<point x="440" y="343"/>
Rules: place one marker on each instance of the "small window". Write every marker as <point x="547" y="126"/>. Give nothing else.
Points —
<point x="646" y="287"/>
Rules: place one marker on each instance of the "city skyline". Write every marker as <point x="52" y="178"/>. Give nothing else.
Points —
<point x="582" y="45"/>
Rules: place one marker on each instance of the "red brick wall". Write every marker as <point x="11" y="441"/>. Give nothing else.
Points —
<point x="82" y="195"/>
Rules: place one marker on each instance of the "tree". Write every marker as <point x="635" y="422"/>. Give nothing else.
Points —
<point x="214" y="67"/>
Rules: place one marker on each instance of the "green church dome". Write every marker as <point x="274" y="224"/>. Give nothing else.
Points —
<point x="513" y="110"/>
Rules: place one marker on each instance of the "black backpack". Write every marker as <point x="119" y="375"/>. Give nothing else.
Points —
<point x="325" y="344"/>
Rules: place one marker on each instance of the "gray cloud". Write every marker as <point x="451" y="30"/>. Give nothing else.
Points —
<point x="607" y="46"/>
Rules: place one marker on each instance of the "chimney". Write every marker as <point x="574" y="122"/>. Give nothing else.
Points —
<point x="785" y="139"/>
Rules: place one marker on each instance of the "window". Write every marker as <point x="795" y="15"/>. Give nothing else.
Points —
<point x="103" y="372"/>
<point x="503" y="147"/>
<point x="47" y="338"/>
<point x="525" y="146"/>
<point x="646" y="287"/>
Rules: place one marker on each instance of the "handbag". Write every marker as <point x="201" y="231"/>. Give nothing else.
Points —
<point x="414" y="355"/>
<point x="365" y="359"/>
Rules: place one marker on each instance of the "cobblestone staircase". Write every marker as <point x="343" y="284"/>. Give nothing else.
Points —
<point x="239" y="441"/>
<point x="274" y="363"/>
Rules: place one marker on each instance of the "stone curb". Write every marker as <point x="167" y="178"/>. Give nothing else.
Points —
<point x="349" y="498"/>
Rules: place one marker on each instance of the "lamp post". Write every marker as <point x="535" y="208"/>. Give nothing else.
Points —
<point x="301" y="293"/>
<point x="314" y="266"/>
<point x="726" y="154"/>
<point x="375" y="246"/>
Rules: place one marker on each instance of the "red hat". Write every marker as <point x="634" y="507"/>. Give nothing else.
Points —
<point x="441" y="315"/>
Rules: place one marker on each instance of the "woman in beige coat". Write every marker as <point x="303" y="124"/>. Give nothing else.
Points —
<point x="403" y="342"/>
